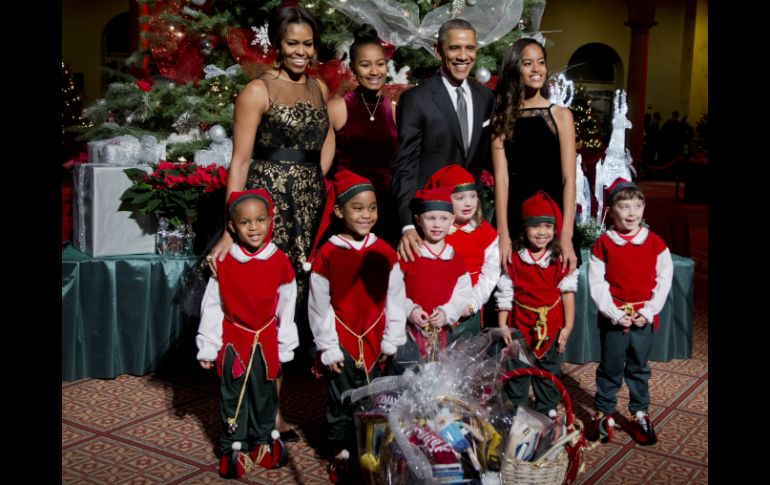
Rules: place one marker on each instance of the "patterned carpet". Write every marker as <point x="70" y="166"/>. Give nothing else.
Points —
<point x="161" y="428"/>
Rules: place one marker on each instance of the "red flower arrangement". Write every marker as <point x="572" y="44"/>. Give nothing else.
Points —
<point x="173" y="190"/>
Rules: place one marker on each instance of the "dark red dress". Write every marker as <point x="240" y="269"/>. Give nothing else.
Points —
<point x="367" y="148"/>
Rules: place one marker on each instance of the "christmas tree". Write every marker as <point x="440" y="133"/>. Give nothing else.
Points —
<point x="196" y="55"/>
<point x="586" y="123"/>
<point x="72" y="107"/>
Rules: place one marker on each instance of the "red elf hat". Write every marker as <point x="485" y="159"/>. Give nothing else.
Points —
<point x="453" y="176"/>
<point x="345" y="186"/>
<point x="541" y="208"/>
<point x="438" y="199"/>
<point x="236" y="198"/>
<point x="616" y="186"/>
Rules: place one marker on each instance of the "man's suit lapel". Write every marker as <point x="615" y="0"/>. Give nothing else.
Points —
<point x="478" y="118"/>
<point x="444" y="103"/>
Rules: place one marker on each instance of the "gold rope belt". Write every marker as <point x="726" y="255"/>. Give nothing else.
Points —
<point x="541" y="326"/>
<point x="628" y="308"/>
<point x="232" y="425"/>
<point x="360" y="362"/>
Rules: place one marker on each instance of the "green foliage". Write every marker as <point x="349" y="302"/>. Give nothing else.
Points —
<point x="586" y="234"/>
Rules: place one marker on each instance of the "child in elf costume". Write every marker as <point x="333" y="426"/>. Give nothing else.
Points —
<point x="537" y="297"/>
<point x="438" y="286"/>
<point x="629" y="275"/>
<point x="473" y="238"/>
<point x="356" y="309"/>
<point x="247" y="328"/>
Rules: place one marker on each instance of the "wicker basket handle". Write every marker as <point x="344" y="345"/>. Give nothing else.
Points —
<point x="530" y="371"/>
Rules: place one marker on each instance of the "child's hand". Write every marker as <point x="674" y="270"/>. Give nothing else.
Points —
<point x="336" y="367"/>
<point x="625" y="321"/>
<point x="383" y="358"/>
<point x="419" y="316"/>
<point x="639" y="320"/>
<point x="507" y="335"/>
<point x="438" y="318"/>
<point x="468" y="311"/>
<point x="561" y="344"/>
<point x="206" y="364"/>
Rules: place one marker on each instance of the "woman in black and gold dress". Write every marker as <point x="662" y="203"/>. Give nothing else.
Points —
<point x="281" y="126"/>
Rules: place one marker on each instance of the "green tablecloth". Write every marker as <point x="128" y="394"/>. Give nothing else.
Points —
<point x="120" y="315"/>
<point x="673" y="340"/>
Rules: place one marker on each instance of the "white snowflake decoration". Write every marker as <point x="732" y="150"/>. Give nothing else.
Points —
<point x="261" y="37"/>
<point x="185" y="123"/>
<point x="399" y="77"/>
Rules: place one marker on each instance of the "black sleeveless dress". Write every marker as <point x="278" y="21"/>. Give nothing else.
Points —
<point x="534" y="162"/>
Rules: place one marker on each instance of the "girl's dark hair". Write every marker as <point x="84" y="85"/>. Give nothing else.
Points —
<point x="296" y="14"/>
<point x="521" y="242"/>
<point x="510" y="88"/>
<point x="366" y="34"/>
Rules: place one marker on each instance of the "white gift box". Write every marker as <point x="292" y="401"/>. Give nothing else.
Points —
<point x="121" y="150"/>
<point x="99" y="227"/>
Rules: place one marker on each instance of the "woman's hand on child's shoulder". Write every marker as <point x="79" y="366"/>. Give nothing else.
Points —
<point x="206" y="364"/>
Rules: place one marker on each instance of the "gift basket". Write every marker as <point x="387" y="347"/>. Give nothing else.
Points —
<point x="446" y="422"/>
<point x="431" y="424"/>
<point x="525" y="459"/>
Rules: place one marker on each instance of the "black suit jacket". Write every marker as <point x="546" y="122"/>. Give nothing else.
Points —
<point x="429" y="138"/>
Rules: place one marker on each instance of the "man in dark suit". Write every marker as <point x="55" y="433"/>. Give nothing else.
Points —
<point x="430" y="132"/>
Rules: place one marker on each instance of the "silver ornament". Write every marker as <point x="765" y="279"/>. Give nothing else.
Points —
<point x="206" y="46"/>
<point x="483" y="75"/>
<point x="199" y="3"/>
<point x="217" y="134"/>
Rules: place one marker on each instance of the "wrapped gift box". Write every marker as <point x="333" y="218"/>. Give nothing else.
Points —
<point x="100" y="227"/>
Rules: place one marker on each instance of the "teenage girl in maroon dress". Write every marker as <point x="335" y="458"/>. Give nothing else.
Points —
<point x="365" y="126"/>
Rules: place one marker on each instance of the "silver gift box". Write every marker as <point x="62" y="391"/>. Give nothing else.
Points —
<point x="99" y="227"/>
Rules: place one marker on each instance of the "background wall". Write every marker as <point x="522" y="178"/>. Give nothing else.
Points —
<point x="677" y="71"/>
<point x="83" y="23"/>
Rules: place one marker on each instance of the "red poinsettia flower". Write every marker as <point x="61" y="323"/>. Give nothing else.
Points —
<point x="487" y="179"/>
<point x="173" y="189"/>
<point x="145" y="84"/>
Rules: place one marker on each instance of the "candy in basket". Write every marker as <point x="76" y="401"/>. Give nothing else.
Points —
<point x="432" y="424"/>
<point x="538" y="452"/>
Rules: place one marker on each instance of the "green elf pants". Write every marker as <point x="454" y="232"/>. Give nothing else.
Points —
<point x="469" y="327"/>
<point x="624" y="355"/>
<point x="339" y="415"/>
<point x="546" y="394"/>
<point x="256" y="417"/>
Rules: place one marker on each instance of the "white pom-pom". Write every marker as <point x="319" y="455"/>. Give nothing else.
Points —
<point x="344" y="455"/>
<point x="610" y="422"/>
<point x="236" y="446"/>
<point x="275" y="434"/>
<point x="552" y="413"/>
<point x="306" y="266"/>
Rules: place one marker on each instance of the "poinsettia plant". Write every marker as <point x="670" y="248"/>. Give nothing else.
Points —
<point x="173" y="189"/>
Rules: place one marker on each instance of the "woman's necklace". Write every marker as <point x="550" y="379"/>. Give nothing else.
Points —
<point x="371" y="112"/>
